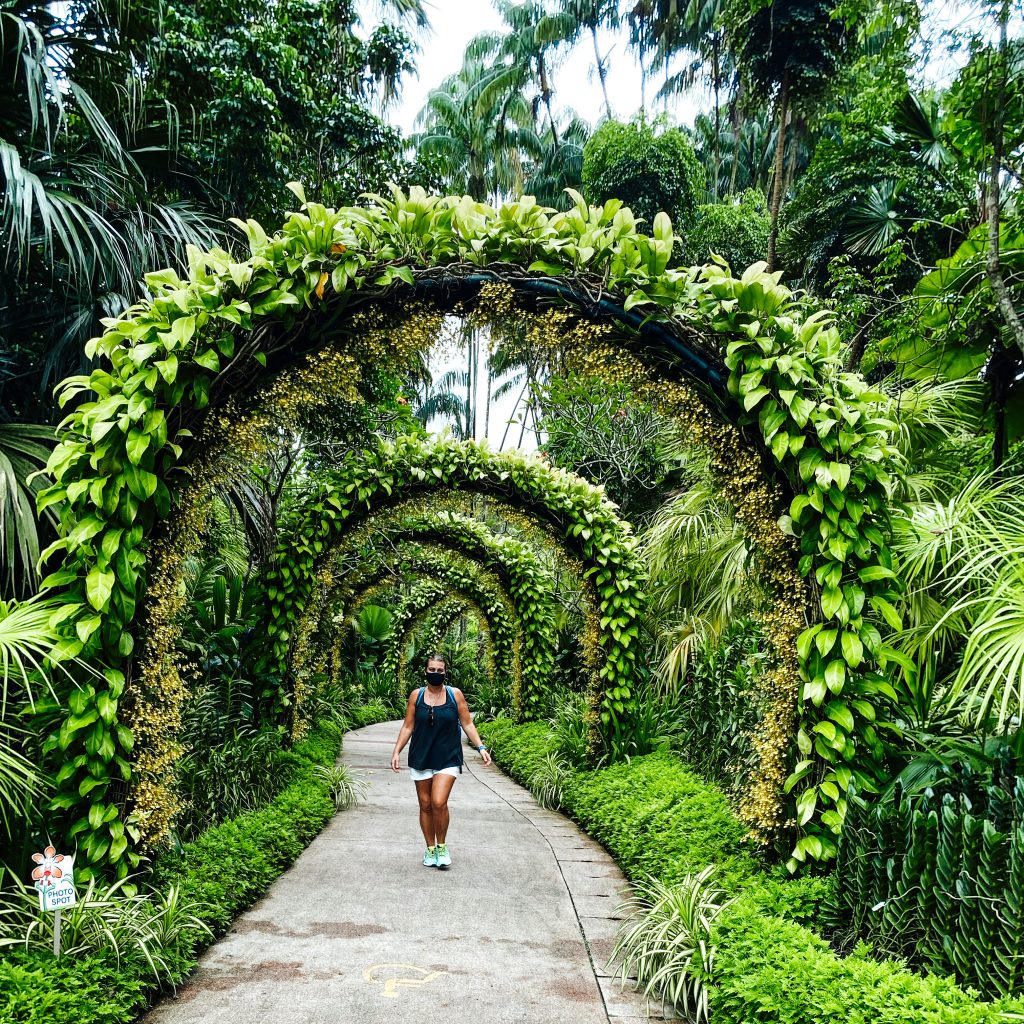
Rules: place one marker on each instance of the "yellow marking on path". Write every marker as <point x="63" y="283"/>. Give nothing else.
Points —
<point x="391" y="984"/>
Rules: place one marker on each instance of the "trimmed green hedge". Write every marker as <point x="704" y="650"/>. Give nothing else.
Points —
<point x="95" y="989"/>
<point x="657" y="817"/>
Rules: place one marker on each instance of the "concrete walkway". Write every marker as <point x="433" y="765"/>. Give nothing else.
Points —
<point x="357" y="931"/>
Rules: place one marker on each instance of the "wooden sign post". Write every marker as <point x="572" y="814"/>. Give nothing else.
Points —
<point x="53" y="877"/>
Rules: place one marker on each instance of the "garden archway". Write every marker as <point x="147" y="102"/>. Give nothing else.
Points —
<point x="524" y="580"/>
<point x="428" y="631"/>
<point x="520" y="647"/>
<point x="759" y="357"/>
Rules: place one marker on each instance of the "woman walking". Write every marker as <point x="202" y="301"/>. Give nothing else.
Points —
<point x="432" y="717"/>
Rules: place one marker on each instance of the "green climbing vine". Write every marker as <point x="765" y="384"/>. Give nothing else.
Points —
<point x="437" y="565"/>
<point x="584" y="516"/>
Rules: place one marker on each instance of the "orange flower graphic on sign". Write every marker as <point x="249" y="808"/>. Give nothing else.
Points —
<point x="49" y="869"/>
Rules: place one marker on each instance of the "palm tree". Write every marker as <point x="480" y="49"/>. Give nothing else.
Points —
<point x="82" y="219"/>
<point x="576" y="18"/>
<point x="24" y="449"/>
<point x="698" y="33"/>
<point x="560" y="165"/>
<point x="32" y="648"/>
<point x="698" y="559"/>
<point x="443" y="398"/>
<point x="790" y="49"/>
<point x="482" y="154"/>
<point x="519" y="59"/>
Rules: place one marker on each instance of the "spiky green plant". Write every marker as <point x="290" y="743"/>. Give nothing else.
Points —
<point x="698" y="559"/>
<point x="548" y="781"/>
<point x="141" y="926"/>
<point x="569" y="728"/>
<point x="347" y="788"/>
<point x="665" y="943"/>
<point x="31" y="650"/>
<point x="24" y="449"/>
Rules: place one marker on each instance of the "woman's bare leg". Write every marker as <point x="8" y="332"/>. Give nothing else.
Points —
<point x="426" y="810"/>
<point x="439" y="792"/>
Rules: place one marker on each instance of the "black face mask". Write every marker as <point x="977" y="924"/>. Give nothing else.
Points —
<point x="435" y="677"/>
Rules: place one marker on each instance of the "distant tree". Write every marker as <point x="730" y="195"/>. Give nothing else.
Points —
<point x="693" y="33"/>
<point x="601" y="432"/>
<point x="575" y="18"/>
<point x="790" y="50"/>
<point x="481" y="154"/>
<point x="519" y="60"/>
<point x="648" y="171"/>
<point x="735" y="230"/>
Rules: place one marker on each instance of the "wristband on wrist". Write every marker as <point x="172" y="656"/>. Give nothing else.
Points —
<point x="481" y="748"/>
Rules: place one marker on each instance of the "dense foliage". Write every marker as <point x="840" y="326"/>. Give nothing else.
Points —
<point x="935" y="876"/>
<point x="649" y="171"/>
<point x="259" y="532"/>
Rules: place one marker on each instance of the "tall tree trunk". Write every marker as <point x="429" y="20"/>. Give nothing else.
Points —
<point x="475" y="348"/>
<point x="734" y="115"/>
<point x="1002" y="370"/>
<point x="643" y="78"/>
<point x="993" y="269"/>
<point x="794" y="145"/>
<point x="467" y="430"/>
<point x="545" y="92"/>
<point x="780" y="152"/>
<point x="716" y="71"/>
<point x="602" y="71"/>
<point x="858" y="344"/>
<point x="508" y="422"/>
<point x="487" y="404"/>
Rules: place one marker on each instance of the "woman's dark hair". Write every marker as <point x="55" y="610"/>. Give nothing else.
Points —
<point x="437" y="657"/>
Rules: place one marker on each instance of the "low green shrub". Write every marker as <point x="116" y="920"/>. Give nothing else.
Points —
<point x="97" y="987"/>
<point x="371" y="713"/>
<point x="519" y="748"/>
<point x="660" y="820"/>
<point x="664" y="821"/>
<point x="769" y="969"/>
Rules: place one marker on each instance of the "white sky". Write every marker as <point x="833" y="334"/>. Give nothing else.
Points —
<point x="455" y="22"/>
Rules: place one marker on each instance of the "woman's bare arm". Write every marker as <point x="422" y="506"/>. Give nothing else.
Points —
<point x="467" y="724"/>
<point x="405" y="732"/>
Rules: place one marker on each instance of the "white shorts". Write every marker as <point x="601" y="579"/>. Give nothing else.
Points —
<point x="419" y="774"/>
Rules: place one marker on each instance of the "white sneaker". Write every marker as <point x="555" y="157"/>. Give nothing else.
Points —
<point x="443" y="860"/>
<point x="430" y="857"/>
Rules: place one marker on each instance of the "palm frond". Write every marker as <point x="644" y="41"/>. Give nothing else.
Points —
<point x="24" y="450"/>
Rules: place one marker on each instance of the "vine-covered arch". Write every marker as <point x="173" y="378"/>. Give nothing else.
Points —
<point x="394" y="472"/>
<point x="520" y="636"/>
<point x="426" y="594"/>
<point x="430" y="629"/>
<point x="172" y="364"/>
<point x="526" y="583"/>
<point x="437" y="616"/>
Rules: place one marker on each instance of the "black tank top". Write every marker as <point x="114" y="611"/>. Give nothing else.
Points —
<point x="436" y="745"/>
